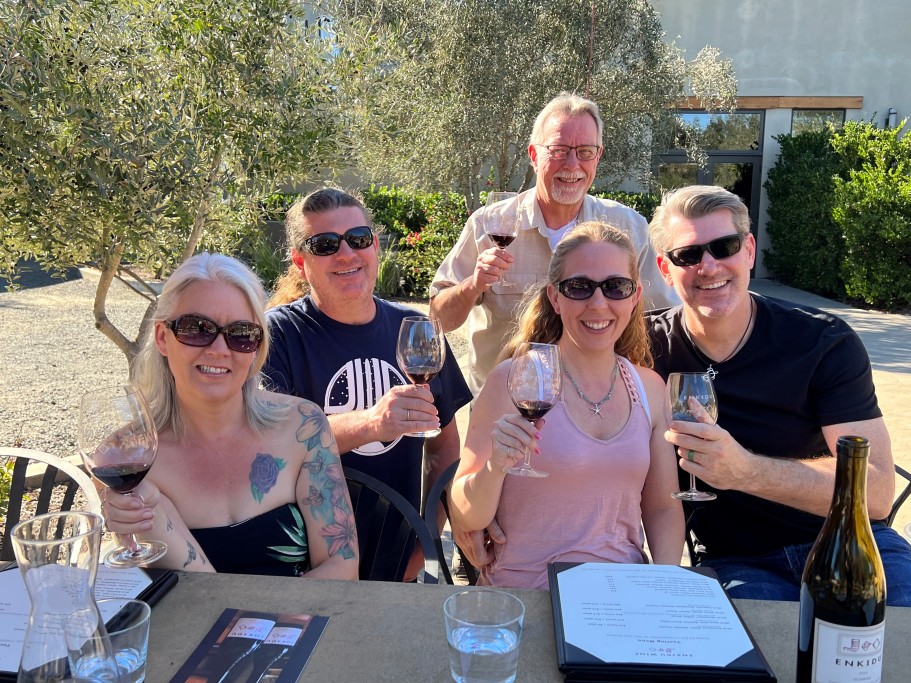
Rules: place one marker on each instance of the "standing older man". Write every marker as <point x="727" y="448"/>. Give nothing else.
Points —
<point x="790" y="380"/>
<point x="337" y="347"/>
<point x="483" y="283"/>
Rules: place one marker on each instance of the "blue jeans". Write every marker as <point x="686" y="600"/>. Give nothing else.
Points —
<point x="776" y="576"/>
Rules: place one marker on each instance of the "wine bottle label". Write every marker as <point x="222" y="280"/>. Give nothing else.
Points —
<point x="255" y="629"/>
<point x="848" y="654"/>
<point x="283" y="635"/>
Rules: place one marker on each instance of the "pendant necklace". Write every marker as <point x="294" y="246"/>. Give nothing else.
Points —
<point x="710" y="372"/>
<point x="595" y="406"/>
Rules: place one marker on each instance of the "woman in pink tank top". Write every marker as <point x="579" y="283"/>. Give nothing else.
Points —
<point x="611" y="471"/>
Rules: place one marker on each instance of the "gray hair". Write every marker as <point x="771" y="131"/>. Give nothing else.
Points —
<point x="150" y="368"/>
<point x="566" y="104"/>
<point x="318" y="201"/>
<point x="695" y="201"/>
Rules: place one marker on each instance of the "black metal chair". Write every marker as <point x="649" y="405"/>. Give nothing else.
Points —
<point x="386" y="526"/>
<point x="902" y="497"/>
<point x="439" y="495"/>
<point x="42" y="484"/>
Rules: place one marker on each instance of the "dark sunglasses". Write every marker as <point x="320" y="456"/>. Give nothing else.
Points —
<point x="328" y="243"/>
<point x="722" y="248"/>
<point x="579" y="288"/>
<point x="197" y="330"/>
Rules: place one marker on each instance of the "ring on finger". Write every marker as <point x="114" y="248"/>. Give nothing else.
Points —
<point x="690" y="454"/>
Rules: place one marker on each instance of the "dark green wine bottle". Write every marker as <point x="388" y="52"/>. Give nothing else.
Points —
<point x="843" y="588"/>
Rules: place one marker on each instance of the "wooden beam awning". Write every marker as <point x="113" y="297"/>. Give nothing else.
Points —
<point x="785" y="102"/>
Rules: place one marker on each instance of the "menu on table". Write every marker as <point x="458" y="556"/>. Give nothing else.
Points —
<point x="15" y="604"/>
<point x="649" y="623"/>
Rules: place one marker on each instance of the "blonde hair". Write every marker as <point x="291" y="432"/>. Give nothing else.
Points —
<point x="292" y="286"/>
<point x="150" y="368"/>
<point x="695" y="201"/>
<point x="539" y="322"/>
<point x="565" y="104"/>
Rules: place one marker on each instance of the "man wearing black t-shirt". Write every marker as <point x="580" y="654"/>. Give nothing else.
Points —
<point x="790" y="380"/>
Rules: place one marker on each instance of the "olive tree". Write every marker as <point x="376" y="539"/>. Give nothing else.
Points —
<point x="443" y="93"/>
<point x="135" y="132"/>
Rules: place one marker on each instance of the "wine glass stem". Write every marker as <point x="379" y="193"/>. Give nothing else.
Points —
<point x="693" y="482"/>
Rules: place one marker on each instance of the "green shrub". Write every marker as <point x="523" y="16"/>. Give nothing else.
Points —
<point x="399" y="211"/>
<point x="6" y="481"/>
<point x="422" y="251"/>
<point x="807" y="244"/>
<point x="389" y="275"/>
<point x="873" y="210"/>
<point x="643" y="202"/>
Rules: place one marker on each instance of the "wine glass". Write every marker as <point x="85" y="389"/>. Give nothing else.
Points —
<point x="118" y="442"/>
<point x="534" y="384"/>
<point x="691" y="394"/>
<point x="420" y="352"/>
<point x="501" y="226"/>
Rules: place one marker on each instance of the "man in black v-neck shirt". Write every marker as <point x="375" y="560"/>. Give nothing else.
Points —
<point x="790" y="380"/>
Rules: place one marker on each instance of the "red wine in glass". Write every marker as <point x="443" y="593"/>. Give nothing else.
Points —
<point x="534" y="384"/>
<point x="533" y="410"/>
<point x="501" y="224"/>
<point x="121" y="478"/>
<point x="118" y="443"/>
<point x="500" y="240"/>
<point x="421" y="375"/>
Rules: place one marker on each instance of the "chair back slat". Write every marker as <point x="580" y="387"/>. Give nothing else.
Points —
<point x="74" y="480"/>
<point x="439" y="496"/>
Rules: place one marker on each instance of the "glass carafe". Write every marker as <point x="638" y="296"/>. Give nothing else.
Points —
<point x="58" y="557"/>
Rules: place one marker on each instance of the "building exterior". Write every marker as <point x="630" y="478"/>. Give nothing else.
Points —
<point x="797" y="64"/>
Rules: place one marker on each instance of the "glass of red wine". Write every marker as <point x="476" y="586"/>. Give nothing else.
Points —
<point x="691" y="396"/>
<point x="421" y="352"/>
<point x="534" y="385"/>
<point x="118" y="442"/>
<point x="501" y="226"/>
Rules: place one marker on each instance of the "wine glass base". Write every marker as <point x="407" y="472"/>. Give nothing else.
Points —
<point x="693" y="495"/>
<point x="122" y="557"/>
<point x="526" y="472"/>
<point x="429" y="433"/>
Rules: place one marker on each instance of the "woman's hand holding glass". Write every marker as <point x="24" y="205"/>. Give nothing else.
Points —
<point x="512" y="436"/>
<point x="131" y="513"/>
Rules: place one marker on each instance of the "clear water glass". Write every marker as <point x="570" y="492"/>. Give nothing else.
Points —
<point x="483" y="629"/>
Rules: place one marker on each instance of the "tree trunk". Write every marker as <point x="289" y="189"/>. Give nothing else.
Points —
<point x="110" y="262"/>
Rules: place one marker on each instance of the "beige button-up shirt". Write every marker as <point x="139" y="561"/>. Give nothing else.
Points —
<point x="490" y="319"/>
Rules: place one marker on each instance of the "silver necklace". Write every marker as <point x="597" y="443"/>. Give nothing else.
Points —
<point x="596" y="405"/>
<point x="710" y="372"/>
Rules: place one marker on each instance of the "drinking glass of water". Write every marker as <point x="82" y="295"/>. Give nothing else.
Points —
<point x="483" y="628"/>
<point x="128" y="629"/>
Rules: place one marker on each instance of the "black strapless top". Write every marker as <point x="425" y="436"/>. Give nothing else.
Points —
<point x="273" y="543"/>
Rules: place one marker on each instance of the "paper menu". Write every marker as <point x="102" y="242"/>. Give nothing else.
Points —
<point x="650" y="614"/>
<point x="15" y="605"/>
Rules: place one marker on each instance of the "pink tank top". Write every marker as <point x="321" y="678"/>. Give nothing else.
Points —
<point x="588" y="509"/>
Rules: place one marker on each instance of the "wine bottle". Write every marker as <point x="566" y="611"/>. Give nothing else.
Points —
<point x="281" y="638"/>
<point x="843" y="588"/>
<point x="238" y="646"/>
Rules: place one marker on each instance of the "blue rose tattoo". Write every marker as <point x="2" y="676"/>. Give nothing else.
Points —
<point x="263" y="474"/>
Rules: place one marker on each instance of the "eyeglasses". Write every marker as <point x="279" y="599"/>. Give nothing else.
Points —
<point x="583" y="152"/>
<point x="197" y="330"/>
<point x="721" y="248"/>
<point x="328" y="243"/>
<point x="579" y="288"/>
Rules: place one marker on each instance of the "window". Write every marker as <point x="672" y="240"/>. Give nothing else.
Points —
<point x="737" y="131"/>
<point x="805" y="120"/>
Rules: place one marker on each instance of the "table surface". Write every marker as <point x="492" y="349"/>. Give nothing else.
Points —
<point x="394" y="632"/>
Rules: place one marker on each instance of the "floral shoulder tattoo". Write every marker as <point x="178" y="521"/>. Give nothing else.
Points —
<point x="328" y="491"/>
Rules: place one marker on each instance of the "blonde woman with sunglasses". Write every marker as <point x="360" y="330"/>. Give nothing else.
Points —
<point x="240" y="484"/>
<point x="611" y="471"/>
